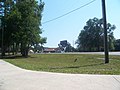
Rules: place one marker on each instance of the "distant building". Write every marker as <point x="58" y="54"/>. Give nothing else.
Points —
<point x="51" y="50"/>
<point x="64" y="46"/>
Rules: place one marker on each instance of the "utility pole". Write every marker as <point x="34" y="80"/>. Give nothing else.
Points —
<point x="2" y="35"/>
<point x="105" y="32"/>
<point x="2" y="43"/>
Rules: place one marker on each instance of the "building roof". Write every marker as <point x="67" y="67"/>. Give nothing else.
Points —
<point x="50" y="49"/>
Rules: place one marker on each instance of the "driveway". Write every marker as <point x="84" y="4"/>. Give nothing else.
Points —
<point x="14" y="78"/>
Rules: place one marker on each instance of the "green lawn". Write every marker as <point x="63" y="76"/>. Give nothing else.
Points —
<point x="64" y="63"/>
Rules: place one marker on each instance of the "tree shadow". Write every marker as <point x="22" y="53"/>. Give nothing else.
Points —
<point x="72" y="67"/>
<point x="15" y="57"/>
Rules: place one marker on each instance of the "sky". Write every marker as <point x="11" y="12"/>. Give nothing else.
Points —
<point x="69" y="27"/>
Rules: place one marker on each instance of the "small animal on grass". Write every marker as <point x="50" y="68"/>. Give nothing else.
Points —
<point x="75" y="60"/>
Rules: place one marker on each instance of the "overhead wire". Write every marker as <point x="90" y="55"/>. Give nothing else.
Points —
<point x="69" y="12"/>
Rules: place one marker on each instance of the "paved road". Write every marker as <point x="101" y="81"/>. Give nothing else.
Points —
<point x="101" y="53"/>
<point x="14" y="78"/>
<point x="110" y="53"/>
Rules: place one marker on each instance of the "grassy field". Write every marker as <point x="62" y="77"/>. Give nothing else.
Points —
<point x="65" y="63"/>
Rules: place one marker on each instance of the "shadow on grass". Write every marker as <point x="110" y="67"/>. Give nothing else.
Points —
<point x="15" y="57"/>
<point x="72" y="67"/>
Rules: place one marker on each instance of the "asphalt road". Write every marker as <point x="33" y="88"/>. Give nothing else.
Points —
<point x="101" y="53"/>
<point x="14" y="78"/>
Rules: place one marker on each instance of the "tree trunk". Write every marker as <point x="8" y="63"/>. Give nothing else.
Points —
<point x="16" y="48"/>
<point x="24" y="50"/>
<point x="13" y="49"/>
<point x="3" y="51"/>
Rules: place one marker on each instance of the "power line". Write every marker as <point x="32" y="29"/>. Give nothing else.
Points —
<point x="68" y="12"/>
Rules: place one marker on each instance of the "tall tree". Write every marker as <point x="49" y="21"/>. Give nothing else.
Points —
<point x="30" y="22"/>
<point x="22" y="23"/>
<point x="91" y="37"/>
<point x="5" y="6"/>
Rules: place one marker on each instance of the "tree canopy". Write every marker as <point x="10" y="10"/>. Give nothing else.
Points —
<point x="117" y="45"/>
<point x="21" y="24"/>
<point x="91" y="38"/>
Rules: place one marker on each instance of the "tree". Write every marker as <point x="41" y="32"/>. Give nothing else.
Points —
<point x="117" y="45"/>
<point x="13" y="28"/>
<point x="65" y="46"/>
<point x="22" y="21"/>
<point x="29" y="24"/>
<point x="91" y="37"/>
<point x="43" y="41"/>
<point x="5" y="6"/>
<point x="69" y="48"/>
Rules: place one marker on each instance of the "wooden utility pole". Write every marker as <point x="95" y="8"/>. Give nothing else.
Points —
<point x="105" y="32"/>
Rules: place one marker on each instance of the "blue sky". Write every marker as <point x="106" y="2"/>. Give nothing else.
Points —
<point x="69" y="26"/>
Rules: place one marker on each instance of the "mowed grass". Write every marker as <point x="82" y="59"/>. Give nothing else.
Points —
<point x="65" y="63"/>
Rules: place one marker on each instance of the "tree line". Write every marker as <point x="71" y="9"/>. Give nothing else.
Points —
<point x="20" y="25"/>
<point x="91" y="37"/>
